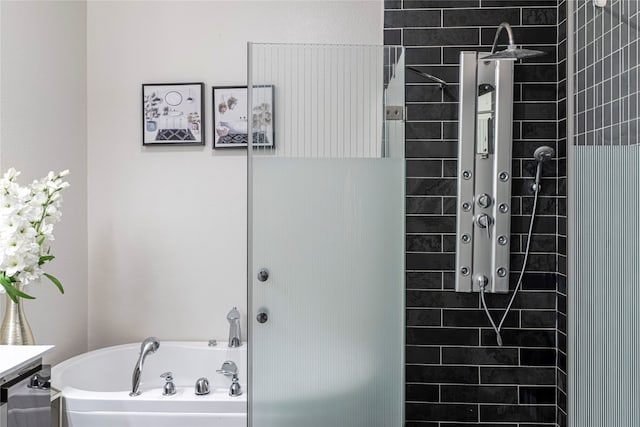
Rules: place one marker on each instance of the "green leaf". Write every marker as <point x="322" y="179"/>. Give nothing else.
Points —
<point x="40" y="240"/>
<point x="21" y="294"/>
<point x="9" y="288"/>
<point x="13" y="292"/>
<point x="45" y="258"/>
<point x="55" y="282"/>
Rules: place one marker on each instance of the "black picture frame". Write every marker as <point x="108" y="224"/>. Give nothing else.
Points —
<point x="230" y="116"/>
<point x="173" y="113"/>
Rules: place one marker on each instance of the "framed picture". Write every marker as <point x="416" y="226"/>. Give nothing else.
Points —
<point x="172" y="113"/>
<point x="231" y="115"/>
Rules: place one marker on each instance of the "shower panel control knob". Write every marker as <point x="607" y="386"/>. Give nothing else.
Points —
<point x="481" y="280"/>
<point x="484" y="200"/>
<point x="262" y="317"/>
<point x="484" y="221"/>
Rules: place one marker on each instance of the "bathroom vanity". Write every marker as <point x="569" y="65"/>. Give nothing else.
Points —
<point x="24" y="394"/>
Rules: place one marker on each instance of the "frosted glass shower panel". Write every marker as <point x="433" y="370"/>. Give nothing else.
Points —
<point x="604" y="322"/>
<point x="328" y="100"/>
<point x="326" y="228"/>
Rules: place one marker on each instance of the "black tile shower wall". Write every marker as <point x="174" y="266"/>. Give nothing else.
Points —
<point x="456" y="373"/>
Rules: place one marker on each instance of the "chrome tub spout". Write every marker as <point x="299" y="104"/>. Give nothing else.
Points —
<point x="235" y="338"/>
<point x="149" y="346"/>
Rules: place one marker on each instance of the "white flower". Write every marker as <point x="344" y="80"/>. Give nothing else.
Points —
<point x="27" y="217"/>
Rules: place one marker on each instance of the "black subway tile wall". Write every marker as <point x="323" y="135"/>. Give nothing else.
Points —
<point x="456" y="373"/>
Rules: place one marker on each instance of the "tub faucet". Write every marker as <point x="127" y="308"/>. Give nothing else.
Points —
<point x="169" y="388"/>
<point x="149" y="346"/>
<point x="230" y="369"/>
<point x="235" y="339"/>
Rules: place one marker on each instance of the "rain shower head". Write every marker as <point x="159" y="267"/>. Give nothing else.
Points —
<point x="512" y="52"/>
<point x="543" y="153"/>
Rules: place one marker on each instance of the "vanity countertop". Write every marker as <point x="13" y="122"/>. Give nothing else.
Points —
<point x="13" y="357"/>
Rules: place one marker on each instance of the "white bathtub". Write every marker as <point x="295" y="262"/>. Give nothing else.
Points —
<point x="95" y="387"/>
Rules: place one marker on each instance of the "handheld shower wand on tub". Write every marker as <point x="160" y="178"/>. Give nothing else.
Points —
<point x="149" y="346"/>
<point x="541" y="155"/>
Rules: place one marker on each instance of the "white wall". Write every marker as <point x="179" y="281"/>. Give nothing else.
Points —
<point x="43" y="128"/>
<point x="167" y="225"/>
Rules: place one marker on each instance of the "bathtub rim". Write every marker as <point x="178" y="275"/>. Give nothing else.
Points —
<point x="82" y="400"/>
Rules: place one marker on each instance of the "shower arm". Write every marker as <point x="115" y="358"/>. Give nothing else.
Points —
<point x="507" y="27"/>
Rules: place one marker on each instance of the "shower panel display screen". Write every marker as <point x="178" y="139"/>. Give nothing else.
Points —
<point x="485" y="119"/>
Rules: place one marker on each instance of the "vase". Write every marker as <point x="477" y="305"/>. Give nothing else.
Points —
<point x="15" y="329"/>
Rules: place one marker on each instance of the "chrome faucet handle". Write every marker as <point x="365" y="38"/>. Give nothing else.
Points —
<point x="485" y="221"/>
<point x="229" y="368"/>
<point x="169" y="388"/>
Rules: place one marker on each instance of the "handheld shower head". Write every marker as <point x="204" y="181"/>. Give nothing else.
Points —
<point x="541" y="155"/>
<point x="149" y="345"/>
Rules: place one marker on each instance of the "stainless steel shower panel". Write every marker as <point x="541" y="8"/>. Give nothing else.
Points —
<point x="502" y="176"/>
<point x="484" y="174"/>
<point x="466" y="172"/>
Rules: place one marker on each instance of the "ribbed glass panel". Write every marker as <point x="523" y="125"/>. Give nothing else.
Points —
<point x="328" y="100"/>
<point x="604" y="326"/>
<point x="326" y="219"/>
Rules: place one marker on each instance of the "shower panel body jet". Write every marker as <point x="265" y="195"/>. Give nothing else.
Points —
<point x="484" y="174"/>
